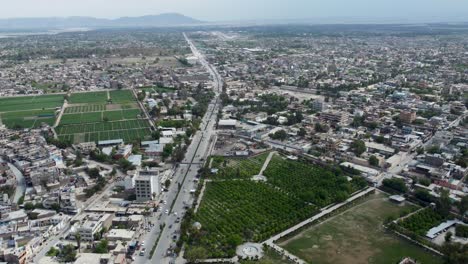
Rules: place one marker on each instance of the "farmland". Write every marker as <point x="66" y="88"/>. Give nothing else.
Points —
<point x="310" y="183"/>
<point x="103" y="119"/>
<point x="358" y="236"/>
<point x="90" y="97"/>
<point x="234" y="209"/>
<point x="29" y="111"/>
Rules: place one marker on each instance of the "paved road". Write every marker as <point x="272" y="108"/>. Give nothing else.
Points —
<point x="185" y="175"/>
<point x="20" y="183"/>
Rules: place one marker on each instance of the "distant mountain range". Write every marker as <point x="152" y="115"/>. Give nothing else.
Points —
<point x="168" y="19"/>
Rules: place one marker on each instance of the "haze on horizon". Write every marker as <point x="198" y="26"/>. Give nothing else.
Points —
<point x="238" y="10"/>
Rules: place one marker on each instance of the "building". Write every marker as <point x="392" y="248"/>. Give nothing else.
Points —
<point x="319" y="105"/>
<point x="407" y="116"/>
<point x="227" y="124"/>
<point x="86" y="147"/>
<point x="110" y="143"/>
<point x="92" y="224"/>
<point x="335" y="117"/>
<point x="147" y="185"/>
<point x="123" y="152"/>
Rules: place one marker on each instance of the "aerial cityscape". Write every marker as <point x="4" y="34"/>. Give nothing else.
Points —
<point x="189" y="138"/>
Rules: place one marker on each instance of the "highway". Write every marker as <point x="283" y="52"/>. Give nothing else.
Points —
<point x="177" y="200"/>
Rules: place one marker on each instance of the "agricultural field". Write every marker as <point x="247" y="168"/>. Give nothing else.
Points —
<point x="235" y="211"/>
<point x="29" y="111"/>
<point x="101" y="119"/>
<point x="310" y="183"/>
<point x="128" y="130"/>
<point x="358" y="236"/>
<point x="89" y="98"/>
<point x="121" y="96"/>
<point x="235" y="168"/>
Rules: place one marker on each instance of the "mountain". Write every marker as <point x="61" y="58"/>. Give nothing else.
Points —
<point x="168" y="19"/>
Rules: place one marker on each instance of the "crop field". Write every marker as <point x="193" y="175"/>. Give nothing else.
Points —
<point x="121" y="96"/>
<point x="358" y="236"/>
<point x="29" y="111"/>
<point x="89" y="98"/>
<point x="127" y="130"/>
<point x="92" y="118"/>
<point x="232" y="168"/>
<point x="85" y="108"/>
<point x="21" y="103"/>
<point x="310" y="183"/>
<point x="235" y="211"/>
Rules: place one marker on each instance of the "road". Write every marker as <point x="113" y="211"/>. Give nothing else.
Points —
<point x="185" y="174"/>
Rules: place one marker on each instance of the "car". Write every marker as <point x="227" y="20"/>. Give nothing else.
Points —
<point x="170" y="226"/>
<point x="142" y="244"/>
<point x="167" y="211"/>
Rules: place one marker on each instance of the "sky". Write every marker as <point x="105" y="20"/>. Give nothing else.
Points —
<point x="238" y="10"/>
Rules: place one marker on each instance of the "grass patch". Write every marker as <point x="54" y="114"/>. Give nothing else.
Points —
<point x="358" y="236"/>
<point x="121" y="96"/>
<point x="235" y="168"/>
<point x="22" y="103"/>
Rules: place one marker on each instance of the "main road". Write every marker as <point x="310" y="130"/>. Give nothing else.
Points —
<point x="179" y="199"/>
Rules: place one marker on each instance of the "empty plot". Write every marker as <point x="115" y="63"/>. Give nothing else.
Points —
<point x="357" y="236"/>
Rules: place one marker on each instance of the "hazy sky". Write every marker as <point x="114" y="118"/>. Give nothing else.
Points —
<point x="224" y="10"/>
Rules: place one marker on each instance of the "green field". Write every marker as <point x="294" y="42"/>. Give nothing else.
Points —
<point x="127" y="130"/>
<point x="235" y="211"/>
<point x="89" y="98"/>
<point x="121" y="96"/>
<point x="313" y="184"/>
<point x="232" y="168"/>
<point x="95" y="117"/>
<point x="29" y="111"/>
<point x="85" y="108"/>
<point x="358" y="236"/>
<point x="91" y="118"/>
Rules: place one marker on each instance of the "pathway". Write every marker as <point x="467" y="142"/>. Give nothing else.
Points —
<point x="271" y="241"/>
<point x="267" y="161"/>
<point x="62" y="111"/>
<point x="20" y="183"/>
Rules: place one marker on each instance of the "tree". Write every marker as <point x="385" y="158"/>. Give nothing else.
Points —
<point x="358" y="147"/>
<point x="448" y="237"/>
<point x="195" y="253"/>
<point x="302" y="132"/>
<point x="279" y="135"/>
<point x="101" y="247"/>
<point x="443" y="204"/>
<point x="373" y="161"/>
<point x="167" y="183"/>
<point x="463" y="205"/>
<point x="78" y="241"/>
<point x="395" y="184"/>
<point x="68" y="253"/>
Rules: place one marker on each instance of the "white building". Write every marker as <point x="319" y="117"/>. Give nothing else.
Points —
<point x="146" y="184"/>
